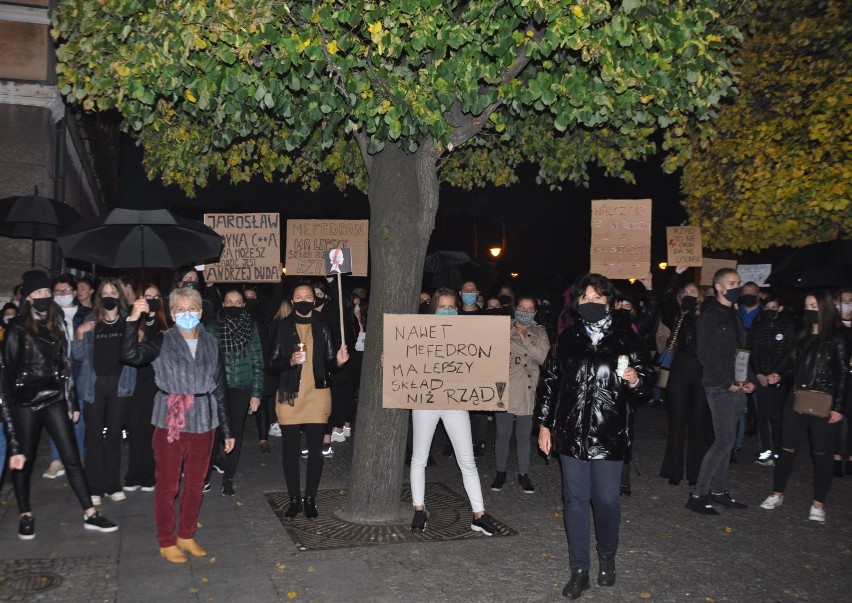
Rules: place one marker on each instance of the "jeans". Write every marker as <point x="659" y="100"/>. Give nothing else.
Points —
<point x="79" y="436"/>
<point x="238" y="405"/>
<point x="600" y="483"/>
<point x="190" y="454"/>
<point x="822" y="438"/>
<point x="725" y="409"/>
<point x="457" y="424"/>
<point x="523" y="429"/>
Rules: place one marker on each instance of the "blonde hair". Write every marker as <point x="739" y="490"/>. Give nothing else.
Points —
<point x="284" y="310"/>
<point x="191" y="294"/>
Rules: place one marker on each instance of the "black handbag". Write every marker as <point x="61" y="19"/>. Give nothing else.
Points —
<point x="33" y="391"/>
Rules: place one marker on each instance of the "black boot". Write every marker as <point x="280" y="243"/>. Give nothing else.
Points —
<point x="577" y="584"/>
<point x="310" y="507"/>
<point x="606" y="570"/>
<point x="499" y="481"/>
<point x="294" y="508"/>
<point x="838" y="468"/>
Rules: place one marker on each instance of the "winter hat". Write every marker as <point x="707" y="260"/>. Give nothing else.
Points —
<point x="33" y="281"/>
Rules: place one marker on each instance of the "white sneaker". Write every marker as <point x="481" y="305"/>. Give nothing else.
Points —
<point x="54" y="470"/>
<point x="96" y="500"/>
<point x="117" y="496"/>
<point x="816" y="514"/>
<point x="147" y="488"/>
<point x="347" y="432"/>
<point x="773" y="501"/>
<point x="337" y="436"/>
<point x="275" y="430"/>
<point x="132" y="488"/>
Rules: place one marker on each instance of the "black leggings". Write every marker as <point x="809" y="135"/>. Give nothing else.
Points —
<point x="55" y="419"/>
<point x="291" y="442"/>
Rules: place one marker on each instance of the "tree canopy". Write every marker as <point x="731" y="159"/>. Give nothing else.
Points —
<point x="238" y="88"/>
<point x="777" y="170"/>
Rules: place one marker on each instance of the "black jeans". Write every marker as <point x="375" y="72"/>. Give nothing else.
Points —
<point x="688" y="411"/>
<point x="140" y="456"/>
<point x="770" y="407"/>
<point x="822" y="438"/>
<point x="103" y="451"/>
<point x="238" y="405"/>
<point x="261" y="417"/>
<point x="342" y="403"/>
<point x="291" y="439"/>
<point x="55" y="419"/>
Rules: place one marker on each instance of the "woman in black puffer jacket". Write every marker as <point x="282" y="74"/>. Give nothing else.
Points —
<point x="584" y="406"/>
<point x="821" y="364"/>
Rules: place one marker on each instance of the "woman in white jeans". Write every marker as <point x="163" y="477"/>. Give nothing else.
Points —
<point x="457" y="424"/>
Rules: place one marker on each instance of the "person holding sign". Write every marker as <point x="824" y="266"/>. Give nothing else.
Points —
<point x="597" y="372"/>
<point x="457" y="424"/>
<point x="304" y="351"/>
<point x="529" y="346"/>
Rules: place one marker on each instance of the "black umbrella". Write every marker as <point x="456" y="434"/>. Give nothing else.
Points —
<point x="826" y="264"/>
<point x="452" y="268"/>
<point x="34" y="217"/>
<point x="128" y="238"/>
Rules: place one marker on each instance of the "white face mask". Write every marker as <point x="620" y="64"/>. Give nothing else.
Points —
<point x="64" y="300"/>
<point x="7" y="318"/>
<point x="845" y="308"/>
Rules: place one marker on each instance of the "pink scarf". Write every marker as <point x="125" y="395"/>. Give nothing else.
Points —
<point x="176" y="419"/>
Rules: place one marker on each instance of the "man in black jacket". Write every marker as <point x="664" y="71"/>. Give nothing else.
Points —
<point x="720" y="334"/>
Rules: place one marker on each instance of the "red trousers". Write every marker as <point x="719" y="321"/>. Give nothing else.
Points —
<point x="190" y="456"/>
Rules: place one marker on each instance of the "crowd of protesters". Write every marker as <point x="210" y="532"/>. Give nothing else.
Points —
<point x="178" y="373"/>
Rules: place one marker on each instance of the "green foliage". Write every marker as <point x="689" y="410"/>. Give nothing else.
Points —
<point x="778" y="170"/>
<point x="237" y="88"/>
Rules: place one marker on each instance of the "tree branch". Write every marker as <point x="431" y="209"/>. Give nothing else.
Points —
<point x="363" y="140"/>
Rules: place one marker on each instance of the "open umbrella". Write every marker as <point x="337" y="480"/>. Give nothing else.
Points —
<point x="34" y="217"/>
<point x="129" y="238"/>
<point x="826" y="264"/>
<point x="452" y="268"/>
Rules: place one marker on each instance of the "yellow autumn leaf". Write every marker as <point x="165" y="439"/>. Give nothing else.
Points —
<point x="578" y="11"/>
<point x="292" y="594"/>
<point x="204" y="580"/>
<point x="200" y="44"/>
<point x="311" y="569"/>
<point x="728" y="529"/>
<point x="375" y="28"/>
<point x="645" y="595"/>
<point x="331" y="47"/>
<point x="190" y="96"/>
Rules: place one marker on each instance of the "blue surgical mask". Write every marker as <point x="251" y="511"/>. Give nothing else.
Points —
<point x="187" y="321"/>
<point x="468" y="299"/>
<point x="446" y="312"/>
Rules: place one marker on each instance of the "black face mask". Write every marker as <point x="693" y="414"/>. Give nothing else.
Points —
<point x="812" y="316"/>
<point x="748" y="301"/>
<point x="621" y="314"/>
<point x="424" y="307"/>
<point x="494" y="311"/>
<point x="504" y="299"/>
<point x="251" y="302"/>
<point x="232" y="311"/>
<point x="191" y="285"/>
<point x="688" y="303"/>
<point x="109" y="303"/>
<point x="319" y="301"/>
<point x="153" y="305"/>
<point x="42" y="304"/>
<point x="771" y="314"/>
<point x="303" y="307"/>
<point x="592" y="312"/>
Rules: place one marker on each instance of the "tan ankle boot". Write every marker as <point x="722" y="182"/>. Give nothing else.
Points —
<point x="190" y="546"/>
<point x="173" y="554"/>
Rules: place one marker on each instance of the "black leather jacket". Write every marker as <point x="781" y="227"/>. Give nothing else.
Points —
<point x="823" y="365"/>
<point x="6" y="415"/>
<point x="43" y="356"/>
<point x="771" y="343"/>
<point x="583" y="402"/>
<point x="283" y="339"/>
<point x="139" y="353"/>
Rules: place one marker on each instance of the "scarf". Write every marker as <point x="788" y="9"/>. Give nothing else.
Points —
<point x="596" y="330"/>
<point x="291" y="379"/>
<point x="176" y="419"/>
<point x="235" y="335"/>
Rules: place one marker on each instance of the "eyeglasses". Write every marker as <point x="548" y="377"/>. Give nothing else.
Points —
<point x="62" y="291"/>
<point x="150" y="297"/>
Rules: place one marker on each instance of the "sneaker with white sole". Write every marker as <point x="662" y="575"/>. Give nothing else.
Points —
<point x="147" y="488"/>
<point x="773" y="501"/>
<point x="54" y="470"/>
<point x="328" y="451"/>
<point x="96" y="500"/>
<point x="816" y="514"/>
<point x="98" y="522"/>
<point x="337" y="436"/>
<point x="131" y="488"/>
<point x="305" y="453"/>
<point x="275" y="430"/>
<point x="483" y="524"/>
<point x="26" y="527"/>
<point x="765" y="458"/>
<point x="347" y="432"/>
<point x="117" y="496"/>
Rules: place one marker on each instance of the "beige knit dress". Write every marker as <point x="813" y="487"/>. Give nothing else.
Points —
<point x="312" y="405"/>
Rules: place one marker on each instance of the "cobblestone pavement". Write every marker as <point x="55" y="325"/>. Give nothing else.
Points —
<point x="667" y="554"/>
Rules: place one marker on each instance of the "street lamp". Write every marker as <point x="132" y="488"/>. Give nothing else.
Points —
<point x="495" y="251"/>
<point x="513" y="274"/>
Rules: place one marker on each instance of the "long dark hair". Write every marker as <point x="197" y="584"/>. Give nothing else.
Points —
<point x="98" y="310"/>
<point x="829" y="320"/>
<point x="160" y="322"/>
<point x="53" y="323"/>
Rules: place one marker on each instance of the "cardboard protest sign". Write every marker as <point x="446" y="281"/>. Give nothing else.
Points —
<point x="684" y="245"/>
<point x="709" y="266"/>
<point x="445" y="362"/>
<point x="338" y="261"/>
<point x="252" y="252"/>
<point x="621" y="238"/>
<point x="757" y="273"/>
<point x="309" y="241"/>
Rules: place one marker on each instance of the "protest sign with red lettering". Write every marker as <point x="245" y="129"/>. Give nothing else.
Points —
<point x="621" y="238"/>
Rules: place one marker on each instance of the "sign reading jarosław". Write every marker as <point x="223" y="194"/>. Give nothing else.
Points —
<point x="436" y="362"/>
<point x="621" y="238"/>
<point x="252" y="251"/>
<point x="684" y="245"/>
<point x="709" y="267"/>
<point x="308" y="243"/>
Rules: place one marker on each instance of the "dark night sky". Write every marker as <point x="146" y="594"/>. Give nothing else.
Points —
<point x="547" y="232"/>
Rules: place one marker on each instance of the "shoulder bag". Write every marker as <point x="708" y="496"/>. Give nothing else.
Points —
<point x="813" y="403"/>
<point x="667" y="357"/>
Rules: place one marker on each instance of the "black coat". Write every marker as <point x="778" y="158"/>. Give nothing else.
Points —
<point x="771" y="344"/>
<point x="6" y="415"/>
<point x="283" y="340"/>
<point x="583" y="402"/>
<point x="720" y="333"/>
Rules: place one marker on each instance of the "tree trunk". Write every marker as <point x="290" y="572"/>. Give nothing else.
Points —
<point x="403" y="197"/>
